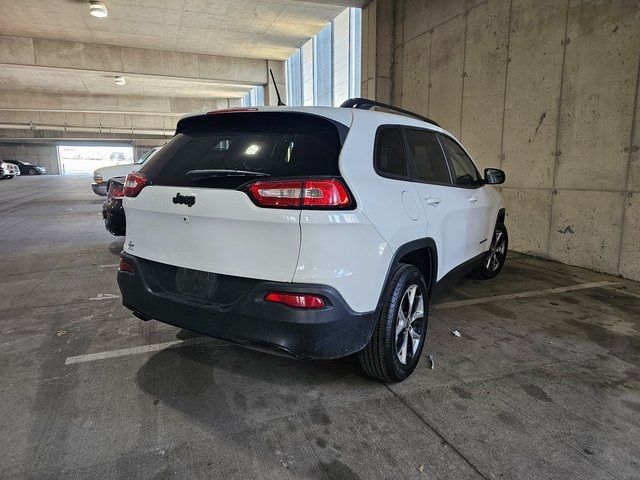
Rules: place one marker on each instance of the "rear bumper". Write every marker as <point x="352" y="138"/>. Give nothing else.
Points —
<point x="100" y="188"/>
<point x="113" y="216"/>
<point x="332" y="332"/>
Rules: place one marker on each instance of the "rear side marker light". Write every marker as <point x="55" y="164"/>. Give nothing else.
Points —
<point x="125" y="266"/>
<point x="134" y="183"/>
<point x="296" y="300"/>
<point x="310" y="193"/>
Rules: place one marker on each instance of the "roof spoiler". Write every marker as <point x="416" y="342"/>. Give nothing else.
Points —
<point x="366" y="104"/>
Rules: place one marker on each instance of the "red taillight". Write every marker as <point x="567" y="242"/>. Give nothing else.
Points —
<point x="310" y="193"/>
<point x="277" y="193"/>
<point x="325" y="193"/>
<point x="296" y="300"/>
<point x="116" y="191"/>
<point x="125" y="266"/>
<point x="135" y="182"/>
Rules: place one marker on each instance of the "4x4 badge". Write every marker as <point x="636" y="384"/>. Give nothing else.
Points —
<point x="188" y="200"/>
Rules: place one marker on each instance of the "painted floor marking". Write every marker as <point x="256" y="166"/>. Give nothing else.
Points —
<point x="105" y="296"/>
<point x="112" y="265"/>
<point x="123" y="352"/>
<point x="154" y="347"/>
<point x="532" y="293"/>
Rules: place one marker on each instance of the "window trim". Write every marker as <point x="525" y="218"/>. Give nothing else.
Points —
<point x="408" y="177"/>
<point x="453" y="184"/>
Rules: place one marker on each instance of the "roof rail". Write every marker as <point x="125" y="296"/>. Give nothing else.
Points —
<point x="366" y="104"/>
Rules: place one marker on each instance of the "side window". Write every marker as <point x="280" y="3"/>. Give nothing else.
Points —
<point x="464" y="171"/>
<point x="428" y="157"/>
<point x="389" y="155"/>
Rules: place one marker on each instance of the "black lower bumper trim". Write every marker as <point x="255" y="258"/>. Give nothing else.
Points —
<point x="332" y="332"/>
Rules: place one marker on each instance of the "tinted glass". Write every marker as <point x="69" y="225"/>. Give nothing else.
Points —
<point x="464" y="171"/>
<point x="227" y="150"/>
<point x="428" y="158"/>
<point x="389" y="154"/>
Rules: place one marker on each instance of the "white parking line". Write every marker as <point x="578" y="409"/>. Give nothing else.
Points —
<point x="123" y="352"/>
<point x="533" y="293"/>
<point x="113" y="265"/>
<point x="90" y="357"/>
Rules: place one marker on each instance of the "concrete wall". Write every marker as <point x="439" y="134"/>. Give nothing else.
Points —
<point x="35" y="153"/>
<point x="546" y="90"/>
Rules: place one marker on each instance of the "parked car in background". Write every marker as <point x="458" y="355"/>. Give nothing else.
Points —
<point x="8" y="170"/>
<point x="102" y="175"/>
<point x="27" y="168"/>
<point x="112" y="211"/>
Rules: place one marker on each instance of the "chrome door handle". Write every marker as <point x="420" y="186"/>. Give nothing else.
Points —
<point x="432" y="201"/>
<point x="473" y="199"/>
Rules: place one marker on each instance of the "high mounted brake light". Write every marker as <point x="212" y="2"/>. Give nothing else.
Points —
<point x="134" y="183"/>
<point x="232" y="110"/>
<point x="312" y="193"/>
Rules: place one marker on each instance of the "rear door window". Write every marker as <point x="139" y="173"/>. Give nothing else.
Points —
<point x="389" y="157"/>
<point x="227" y="150"/>
<point x="428" y="158"/>
<point x="464" y="171"/>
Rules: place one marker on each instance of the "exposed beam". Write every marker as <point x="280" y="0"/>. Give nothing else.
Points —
<point x="18" y="100"/>
<point x="15" y="50"/>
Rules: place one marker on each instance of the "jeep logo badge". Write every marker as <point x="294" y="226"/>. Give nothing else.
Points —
<point x="188" y="200"/>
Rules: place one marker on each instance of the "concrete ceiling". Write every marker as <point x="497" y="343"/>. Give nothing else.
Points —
<point x="266" y="29"/>
<point x="58" y="63"/>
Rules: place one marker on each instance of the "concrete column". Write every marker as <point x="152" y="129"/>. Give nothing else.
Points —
<point x="377" y="49"/>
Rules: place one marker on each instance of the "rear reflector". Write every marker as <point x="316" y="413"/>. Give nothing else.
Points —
<point x="294" y="300"/>
<point x="125" y="266"/>
<point x="134" y="183"/>
<point x="311" y="193"/>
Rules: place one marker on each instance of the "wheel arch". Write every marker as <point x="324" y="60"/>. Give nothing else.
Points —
<point x="501" y="216"/>
<point x="421" y="253"/>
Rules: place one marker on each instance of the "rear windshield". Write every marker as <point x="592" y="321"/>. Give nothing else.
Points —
<point x="228" y="150"/>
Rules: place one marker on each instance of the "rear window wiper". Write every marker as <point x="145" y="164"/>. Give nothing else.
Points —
<point x="211" y="174"/>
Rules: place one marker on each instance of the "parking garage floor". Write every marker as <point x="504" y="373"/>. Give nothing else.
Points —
<point x="544" y="381"/>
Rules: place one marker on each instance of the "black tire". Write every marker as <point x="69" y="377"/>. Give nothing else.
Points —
<point x="9" y="177"/>
<point x="381" y="358"/>
<point x="32" y="171"/>
<point x="495" y="260"/>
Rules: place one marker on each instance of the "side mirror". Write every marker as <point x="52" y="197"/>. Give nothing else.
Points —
<point x="494" y="176"/>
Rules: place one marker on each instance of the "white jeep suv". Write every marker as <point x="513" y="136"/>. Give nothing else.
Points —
<point x="314" y="232"/>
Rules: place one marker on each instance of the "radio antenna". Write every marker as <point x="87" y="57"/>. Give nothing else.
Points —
<point x="275" y="85"/>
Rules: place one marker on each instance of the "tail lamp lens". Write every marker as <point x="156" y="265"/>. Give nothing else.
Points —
<point x="296" y="300"/>
<point x="310" y="193"/>
<point x="116" y="191"/>
<point x="134" y="183"/>
<point x="125" y="266"/>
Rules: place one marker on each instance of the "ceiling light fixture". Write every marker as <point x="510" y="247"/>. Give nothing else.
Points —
<point x="98" y="9"/>
<point x="120" y="81"/>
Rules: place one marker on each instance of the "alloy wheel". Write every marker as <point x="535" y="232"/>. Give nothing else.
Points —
<point x="409" y="324"/>
<point x="497" y="252"/>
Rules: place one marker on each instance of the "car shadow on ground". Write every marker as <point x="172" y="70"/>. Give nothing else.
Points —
<point x="228" y="387"/>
